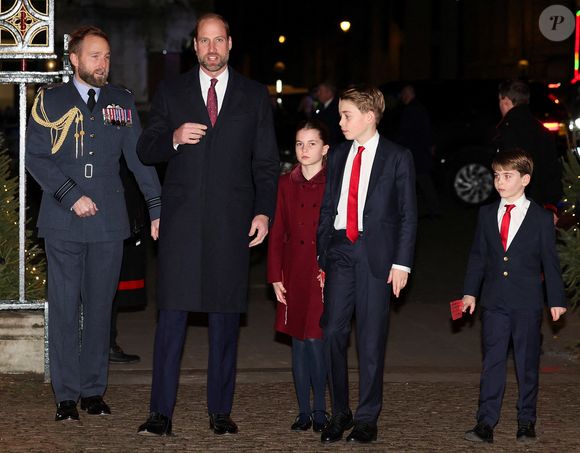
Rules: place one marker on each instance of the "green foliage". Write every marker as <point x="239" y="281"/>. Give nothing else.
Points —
<point x="569" y="239"/>
<point x="9" y="269"/>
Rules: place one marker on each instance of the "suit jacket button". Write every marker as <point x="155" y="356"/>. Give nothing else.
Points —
<point x="91" y="153"/>
<point x="92" y="135"/>
<point x="92" y="118"/>
<point x="505" y="258"/>
<point x="505" y="273"/>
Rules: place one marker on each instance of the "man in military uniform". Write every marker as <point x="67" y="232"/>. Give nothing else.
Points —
<point x="75" y="137"/>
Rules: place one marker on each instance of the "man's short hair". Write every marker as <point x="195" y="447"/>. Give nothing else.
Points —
<point x="514" y="159"/>
<point x="209" y="16"/>
<point x="516" y="91"/>
<point x="367" y="99"/>
<point x="77" y="36"/>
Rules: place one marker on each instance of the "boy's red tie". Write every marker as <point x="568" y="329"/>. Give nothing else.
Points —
<point x="352" y="206"/>
<point x="505" y="224"/>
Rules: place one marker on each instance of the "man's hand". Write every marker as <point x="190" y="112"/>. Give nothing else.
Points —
<point x="557" y="312"/>
<point x="85" y="207"/>
<point x="188" y="134"/>
<point x="259" y="227"/>
<point x="398" y="278"/>
<point x="155" y="229"/>
<point x="280" y="292"/>
<point x="468" y="303"/>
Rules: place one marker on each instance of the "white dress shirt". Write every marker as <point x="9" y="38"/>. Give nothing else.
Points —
<point x="220" y="86"/>
<point x="518" y="213"/>
<point x="367" y="159"/>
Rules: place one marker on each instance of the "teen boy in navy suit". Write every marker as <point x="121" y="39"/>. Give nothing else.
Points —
<point x="514" y="243"/>
<point x="366" y="241"/>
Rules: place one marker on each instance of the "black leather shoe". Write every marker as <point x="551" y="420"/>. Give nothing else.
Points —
<point x="320" y="420"/>
<point x="94" y="405"/>
<point x="526" y="431"/>
<point x="156" y="425"/>
<point x="363" y="433"/>
<point x="222" y="424"/>
<point x="302" y="423"/>
<point x="338" y="424"/>
<point x="480" y="433"/>
<point x="117" y="355"/>
<point x="65" y="411"/>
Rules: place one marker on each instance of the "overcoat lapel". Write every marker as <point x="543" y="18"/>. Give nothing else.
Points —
<point x="193" y="92"/>
<point x="232" y="98"/>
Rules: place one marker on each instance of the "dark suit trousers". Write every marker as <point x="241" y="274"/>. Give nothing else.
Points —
<point x="351" y="288"/>
<point x="498" y="326"/>
<point x="87" y="274"/>
<point x="223" y="331"/>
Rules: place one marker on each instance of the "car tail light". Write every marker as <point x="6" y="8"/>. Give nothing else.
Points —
<point x="551" y="126"/>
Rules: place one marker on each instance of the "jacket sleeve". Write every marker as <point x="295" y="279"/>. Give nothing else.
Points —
<point x="476" y="264"/>
<point x="276" y="239"/>
<point x="327" y="214"/>
<point x="551" y="264"/>
<point x="265" y="160"/>
<point x="405" y="182"/>
<point x="146" y="176"/>
<point x="44" y="168"/>
<point x="156" y="142"/>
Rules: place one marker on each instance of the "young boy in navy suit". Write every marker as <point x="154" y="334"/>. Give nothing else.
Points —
<point x="514" y="244"/>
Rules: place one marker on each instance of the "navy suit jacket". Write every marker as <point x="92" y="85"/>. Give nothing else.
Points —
<point x="513" y="278"/>
<point x="390" y="212"/>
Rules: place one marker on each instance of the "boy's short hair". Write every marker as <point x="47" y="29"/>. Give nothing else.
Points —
<point x="514" y="159"/>
<point x="367" y="99"/>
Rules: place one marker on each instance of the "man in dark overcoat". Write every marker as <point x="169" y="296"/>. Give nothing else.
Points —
<point x="75" y="137"/>
<point x="214" y="129"/>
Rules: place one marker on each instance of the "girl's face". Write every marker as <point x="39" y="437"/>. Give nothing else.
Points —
<point x="309" y="147"/>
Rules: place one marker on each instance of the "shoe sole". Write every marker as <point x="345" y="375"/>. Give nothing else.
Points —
<point x="150" y="434"/>
<point x="474" y="438"/>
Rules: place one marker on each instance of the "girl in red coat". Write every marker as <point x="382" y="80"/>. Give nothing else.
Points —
<point x="294" y="272"/>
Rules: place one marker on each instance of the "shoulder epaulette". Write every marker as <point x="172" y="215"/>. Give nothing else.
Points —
<point x="49" y="86"/>
<point x="121" y="88"/>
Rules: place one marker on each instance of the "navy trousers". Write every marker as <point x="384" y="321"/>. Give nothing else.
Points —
<point x="223" y="330"/>
<point x="524" y="328"/>
<point x="309" y="370"/>
<point x="350" y="288"/>
<point x="80" y="274"/>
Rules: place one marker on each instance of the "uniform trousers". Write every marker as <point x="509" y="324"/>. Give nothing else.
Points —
<point x="351" y="288"/>
<point x="80" y="274"/>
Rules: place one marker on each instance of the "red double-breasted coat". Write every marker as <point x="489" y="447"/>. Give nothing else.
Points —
<point x="292" y="253"/>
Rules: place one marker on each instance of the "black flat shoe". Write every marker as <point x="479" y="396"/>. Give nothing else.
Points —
<point x="480" y="433"/>
<point x="156" y="425"/>
<point x="302" y="423"/>
<point x="338" y="424"/>
<point x="526" y="432"/>
<point x="222" y="424"/>
<point x="320" y="420"/>
<point x="94" y="405"/>
<point x="117" y="355"/>
<point x="66" y="411"/>
<point x="363" y="433"/>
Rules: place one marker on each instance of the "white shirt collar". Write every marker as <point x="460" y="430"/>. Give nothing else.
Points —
<point x="371" y="144"/>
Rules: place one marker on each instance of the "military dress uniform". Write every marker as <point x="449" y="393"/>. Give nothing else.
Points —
<point x="73" y="151"/>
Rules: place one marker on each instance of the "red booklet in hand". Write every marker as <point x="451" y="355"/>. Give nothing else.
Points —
<point x="456" y="309"/>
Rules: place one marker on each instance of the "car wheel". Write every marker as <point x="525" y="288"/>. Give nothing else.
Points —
<point x="473" y="183"/>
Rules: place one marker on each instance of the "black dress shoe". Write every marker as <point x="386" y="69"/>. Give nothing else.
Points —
<point x="66" y="410"/>
<point x="526" y="431"/>
<point x="338" y="424"/>
<point x="363" y="433"/>
<point x="302" y="423"/>
<point x="94" y="405"/>
<point x="156" y="425"/>
<point x="222" y="424"/>
<point x="320" y="420"/>
<point x="480" y="433"/>
<point x="117" y="355"/>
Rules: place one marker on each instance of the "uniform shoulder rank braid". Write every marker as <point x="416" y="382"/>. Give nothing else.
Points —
<point x="59" y="129"/>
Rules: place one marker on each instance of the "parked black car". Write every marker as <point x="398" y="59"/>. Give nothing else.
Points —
<point x="464" y="116"/>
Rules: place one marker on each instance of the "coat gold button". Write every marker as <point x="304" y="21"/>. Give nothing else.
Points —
<point x="505" y="273"/>
<point x="505" y="258"/>
<point x="92" y="135"/>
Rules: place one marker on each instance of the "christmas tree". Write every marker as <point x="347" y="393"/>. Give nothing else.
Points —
<point x="35" y="276"/>
<point x="569" y="237"/>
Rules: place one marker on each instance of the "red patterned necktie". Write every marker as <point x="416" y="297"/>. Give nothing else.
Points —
<point x="212" y="107"/>
<point x="505" y="224"/>
<point x="352" y="206"/>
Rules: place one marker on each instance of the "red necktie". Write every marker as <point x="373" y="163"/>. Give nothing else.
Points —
<point x="505" y="224"/>
<point x="352" y="206"/>
<point x="212" y="107"/>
